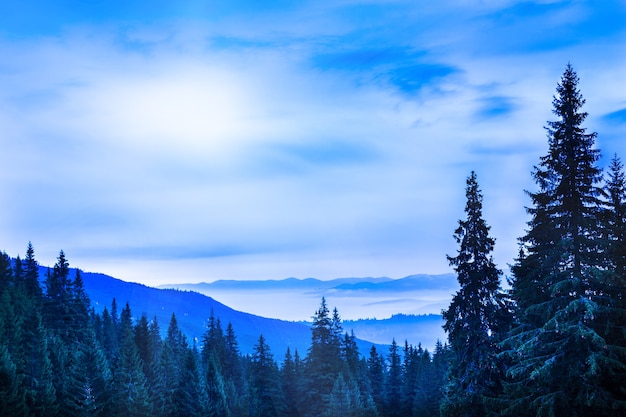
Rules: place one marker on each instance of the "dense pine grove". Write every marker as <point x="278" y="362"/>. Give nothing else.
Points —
<point x="552" y="344"/>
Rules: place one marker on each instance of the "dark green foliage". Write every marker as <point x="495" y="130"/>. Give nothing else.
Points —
<point x="31" y="275"/>
<point x="323" y="362"/>
<point x="190" y="399"/>
<point x="291" y="376"/>
<point x="375" y="374"/>
<point x="430" y="380"/>
<point x="130" y="390"/>
<point x="477" y="315"/>
<point x="559" y="349"/>
<point x="393" y="383"/>
<point x="88" y="391"/>
<point x="614" y="224"/>
<point x="6" y="272"/>
<point x="611" y="320"/>
<point x="266" y="395"/>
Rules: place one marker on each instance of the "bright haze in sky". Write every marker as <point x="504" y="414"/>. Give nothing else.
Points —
<point x="169" y="142"/>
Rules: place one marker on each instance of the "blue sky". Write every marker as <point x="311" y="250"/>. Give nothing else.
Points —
<point x="165" y="142"/>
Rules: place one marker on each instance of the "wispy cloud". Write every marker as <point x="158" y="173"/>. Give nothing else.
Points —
<point x="246" y="139"/>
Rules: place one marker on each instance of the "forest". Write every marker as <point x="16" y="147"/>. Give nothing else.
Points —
<point x="552" y="343"/>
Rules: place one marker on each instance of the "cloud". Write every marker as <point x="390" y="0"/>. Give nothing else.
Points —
<point x="321" y="139"/>
<point x="618" y="116"/>
<point x="495" y="106"/>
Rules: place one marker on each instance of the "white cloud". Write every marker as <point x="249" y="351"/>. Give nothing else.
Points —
<point x="224" y="151"/>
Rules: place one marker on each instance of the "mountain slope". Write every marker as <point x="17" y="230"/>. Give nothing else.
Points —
<point x="192" y="312"/>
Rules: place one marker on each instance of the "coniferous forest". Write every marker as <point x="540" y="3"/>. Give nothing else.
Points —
<point x="553" y="343"/>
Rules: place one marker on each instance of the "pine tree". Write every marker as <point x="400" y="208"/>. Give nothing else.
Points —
<point x="10" y="402"/>
<point x="614" y="222"/>
<point x="130" y="394"/>
<point x="475" y="316"/>
<point x="78" y="321"/>
<point x="323" y="361"/>
<point x="376" y="376"/>
<point x="266" y="395"/>
<point x="170" y="368"/>
<point x="350" y="356"/>
<point x="190" y="399"/>
<point x="393" y="382"/>
<point x="31" y="274"/>
<point x="89" y="386"/>
<point x="345" y="401"/>
<point x="611" y="316"/>
<point x="213" y="357"/>
<point x="38" y="387"/>
<point x="427" y="386"/>
<point x="233" y="374"/>
<point x="6" y="272"/>
<point x="56" y="301"/>
<point x="558" y="354"/>
<point x="291" y="380"/>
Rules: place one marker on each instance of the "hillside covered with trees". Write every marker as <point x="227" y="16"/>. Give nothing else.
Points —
<point x="59" y="357"/>
<point x="554" y="344"/>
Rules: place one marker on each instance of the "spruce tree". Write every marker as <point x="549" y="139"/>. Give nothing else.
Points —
<point x="170" y="369"/>
<point x="233" y="374"/>
<point x="393" y="382"/>
<point x="323" y="362"/>
<point x="290" y="378"/>
<point x="189" y="396"/>
<point x="213" y="354"/>
<point x="611" y="317"/>
<point x="89" y="386"/>
<point x="31" y="274"/>
<point x="266" y="394"/>
<point x="376" y="374"/>
<point x="614" y="221"/>
<point x="10" y="401"/>
<point x="558" y="353"/>
<point x="476" y="315"/>
<point x="130" y="392"/>
<point x="56" y="301"/>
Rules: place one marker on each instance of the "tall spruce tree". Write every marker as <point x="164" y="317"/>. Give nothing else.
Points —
<point x="376" y="376"/>
<point x="393" y="382"/>
<point x="323" y="362"/>
<point x="558" y="354"/>
<point x="476" y="316"/>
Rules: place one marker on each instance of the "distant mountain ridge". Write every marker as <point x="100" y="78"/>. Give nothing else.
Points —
<point x="409" y="283"/>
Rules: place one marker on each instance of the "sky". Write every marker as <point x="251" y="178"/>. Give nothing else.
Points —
<point x="170" y="142"/>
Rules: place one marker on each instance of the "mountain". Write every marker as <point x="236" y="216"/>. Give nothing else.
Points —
<point x="425" y="329"/>
<point x="420" y="282"/>
<point x="192" y="311"/>
<point x="272" y="285"/>
<point x="356" y="298"/>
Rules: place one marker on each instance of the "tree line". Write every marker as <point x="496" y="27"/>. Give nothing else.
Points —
<point x="58" y="357"/>
<point x="553" y="344"/>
